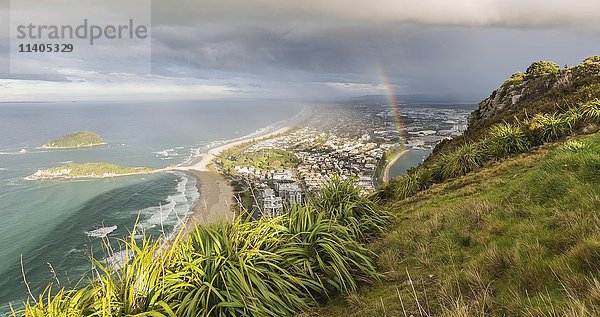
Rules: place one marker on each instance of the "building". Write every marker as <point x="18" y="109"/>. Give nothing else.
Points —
<point x="290" y="193"/>
<point x="271" y="204"/>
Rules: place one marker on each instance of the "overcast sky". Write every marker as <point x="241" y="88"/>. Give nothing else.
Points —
<point x="323" y="49"/>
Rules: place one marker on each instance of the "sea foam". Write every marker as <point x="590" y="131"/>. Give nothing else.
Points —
<point x="101" y="232"/>
<point x="174" y="209"/>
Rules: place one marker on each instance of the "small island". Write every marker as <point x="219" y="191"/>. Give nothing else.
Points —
<point x="75" y="140"/>
<point x="89" y="170"/>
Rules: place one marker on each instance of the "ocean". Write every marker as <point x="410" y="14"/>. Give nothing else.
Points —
<point x="55" y="226"/>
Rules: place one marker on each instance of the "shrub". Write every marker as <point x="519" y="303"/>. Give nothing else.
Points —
<point x="438" y="168"/>
<point x="574" y="117"/>
<point x="548" y="127"/>
<point x="343" y="201"/>
<point x="591" y="111"/>
<point x="463" y="160"/>
<point x="515" y="79"/>
<point x="541" y="68"/>
<point x="505" y="139"/>
<point x="219" y="272"/>
<point x="412" y="183"/>
<point x="324" y="251"/>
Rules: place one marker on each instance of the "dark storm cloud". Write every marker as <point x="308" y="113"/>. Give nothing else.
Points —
<point x="322" y="47"/>
<point x="506" y="13"/>
<point x="419" y="58"/>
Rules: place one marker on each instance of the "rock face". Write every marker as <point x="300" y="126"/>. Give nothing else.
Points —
<point x="544" y="87"/>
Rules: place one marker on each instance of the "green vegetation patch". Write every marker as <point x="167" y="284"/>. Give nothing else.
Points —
<point x="266" y="159"/>
<point x="100" y="168"/>
<point x="76" y="140"/>
<point x="541" y="68"/>
<point x="515" y="79"/>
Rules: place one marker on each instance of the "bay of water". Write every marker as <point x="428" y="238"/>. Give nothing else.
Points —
<point x="60" y="223"/>
<point x="407" y="161"/>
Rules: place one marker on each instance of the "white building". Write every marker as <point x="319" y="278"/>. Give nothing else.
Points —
<point x="271" y="204"/>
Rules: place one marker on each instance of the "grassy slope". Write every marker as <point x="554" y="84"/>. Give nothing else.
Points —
<point x="75" y="140"/>
<point x="521" y="237"/>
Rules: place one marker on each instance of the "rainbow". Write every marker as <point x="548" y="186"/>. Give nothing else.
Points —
<point x="393" y="103"/>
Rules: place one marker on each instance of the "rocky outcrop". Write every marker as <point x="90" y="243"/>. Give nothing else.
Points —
<point x="544" y="87"/>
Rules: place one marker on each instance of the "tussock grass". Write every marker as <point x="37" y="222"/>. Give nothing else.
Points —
<point x="343" y="202"/>
<point x="275" y="267"/>
<point x="547" y="127"/>
<point x="463" y="160"/>
<point x="591" y="111"/>
<point x="506" y="139"/>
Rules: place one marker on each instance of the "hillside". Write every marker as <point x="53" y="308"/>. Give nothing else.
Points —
<point x="75" y="140"/>
<point x="520" y="237"/>
<point x="504" y="220"/>
<point x="543" y="88"/>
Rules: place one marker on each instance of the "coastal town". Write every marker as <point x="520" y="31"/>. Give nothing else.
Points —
<point x="347" y="142"/>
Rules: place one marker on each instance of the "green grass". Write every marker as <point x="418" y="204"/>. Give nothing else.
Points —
<point x="76" y="140"/>
<point x="264" y="160"/>
<point x="518" y="238"/>
<point x="502" y="140"/>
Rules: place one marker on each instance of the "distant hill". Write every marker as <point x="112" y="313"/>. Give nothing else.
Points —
<point x="419" y="99"/>
<point x="75" y="140"/>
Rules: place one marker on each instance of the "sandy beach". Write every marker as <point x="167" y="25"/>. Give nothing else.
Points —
<point x="216" y="195"/>
<point x="386" y="173"/>
<point x="201" y="162"/>
<point x="215" y="202"/>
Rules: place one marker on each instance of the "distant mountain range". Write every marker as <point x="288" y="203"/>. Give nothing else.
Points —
<point x="420" y="99"/>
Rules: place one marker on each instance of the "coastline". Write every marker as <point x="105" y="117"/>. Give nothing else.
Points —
<point x="76" y="177"/>
<point x="216" y="193"/>
<point x="70" y="147"/>
<point x="213" y="205"/>
<point x="203" y="160"/>
<point x="386" y="173"/>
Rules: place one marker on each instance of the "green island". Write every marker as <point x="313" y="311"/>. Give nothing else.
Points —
<point x="502" y="221"/>
<point x="75" y="140"/>
<point x="89" y="170"/>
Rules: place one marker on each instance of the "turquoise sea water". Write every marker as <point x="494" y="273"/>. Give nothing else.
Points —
<point x="61" y="223"/>
<point x="407" y="161"/>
